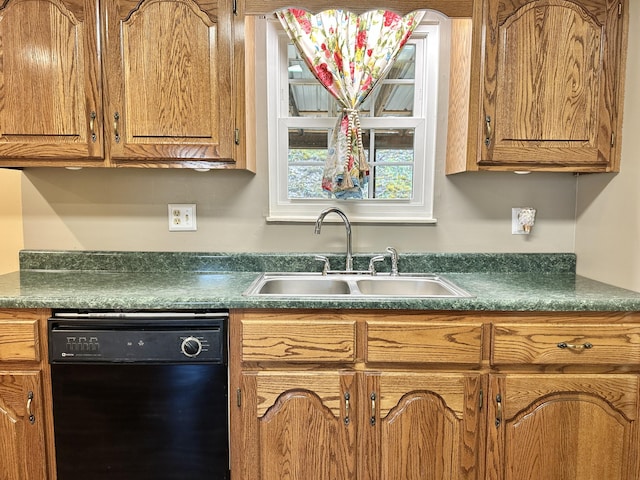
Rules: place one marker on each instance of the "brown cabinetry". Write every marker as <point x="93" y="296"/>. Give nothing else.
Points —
<point x="310" y="406"/>
<point x="51" y="89"/>
<point x="565" y="404"/>
<point x="24" y="416"/>
<point x="548" y="78"/>
<point x="124" y="83"/>
<point x="386" y="395"/>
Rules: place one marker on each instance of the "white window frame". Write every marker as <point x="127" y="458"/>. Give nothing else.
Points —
<point x="418" y="209"/>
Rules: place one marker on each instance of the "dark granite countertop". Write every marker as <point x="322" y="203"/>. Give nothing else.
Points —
<point x="170" y="280"/>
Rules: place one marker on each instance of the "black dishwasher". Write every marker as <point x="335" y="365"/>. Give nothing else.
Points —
<point x="140" y="395"/>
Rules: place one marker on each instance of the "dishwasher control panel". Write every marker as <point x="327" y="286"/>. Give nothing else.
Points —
<point x="150" y="338"/>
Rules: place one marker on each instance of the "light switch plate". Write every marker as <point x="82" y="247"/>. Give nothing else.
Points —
<point x="182" y="217"/>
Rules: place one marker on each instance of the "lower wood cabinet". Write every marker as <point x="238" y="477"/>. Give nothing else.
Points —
<point x="22" y="444"/>
<point x="360" y="425"/>
<point x="418" y="425"/>
<point x="438" y="396"/>
<point x="299" y="425"/>
<point x="25" y="401"/>
<point x="563" y="426"/>
<point x="311" y="407"/>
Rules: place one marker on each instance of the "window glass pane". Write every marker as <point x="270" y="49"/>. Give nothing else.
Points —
<point x="393" y="182"/>
<point x="405" y="64"/>
<point x="309" y="138"/>
<point x="305" y="181"/>
<point x="394" y="101"/>
<point x="398" y="141"/>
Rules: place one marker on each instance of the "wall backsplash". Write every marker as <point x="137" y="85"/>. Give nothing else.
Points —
<point x="95" y="209"/>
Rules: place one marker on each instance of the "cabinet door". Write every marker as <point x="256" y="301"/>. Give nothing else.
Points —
<point x="421" y="425"/>
<point x="168" y="76"/>
<point x="298" y="425"/>
<point x="563" y="427"/>
<point x="50" y="83"/>
<point x="551" y="84"/>
<point x="22" y="450"/>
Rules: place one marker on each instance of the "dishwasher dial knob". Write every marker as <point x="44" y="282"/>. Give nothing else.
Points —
<point x="191" y="347"/>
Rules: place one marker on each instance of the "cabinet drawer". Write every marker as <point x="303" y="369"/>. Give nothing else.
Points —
<point x="19" y="340"/>
<point x="420" y="342"/>
<point x="565" y="344"/>
<point x="299" y="340"/>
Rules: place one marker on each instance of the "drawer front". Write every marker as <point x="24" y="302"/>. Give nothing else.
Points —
<point x="299" y="340"/>
<point x="420" y="342"/>
<point x="19" y="340"/>
<point x="565" y="344"/>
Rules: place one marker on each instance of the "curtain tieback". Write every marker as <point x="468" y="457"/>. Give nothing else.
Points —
<point x="355" y="130"/>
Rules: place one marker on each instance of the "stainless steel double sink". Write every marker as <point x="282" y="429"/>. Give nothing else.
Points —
<point x="355" y="285"/>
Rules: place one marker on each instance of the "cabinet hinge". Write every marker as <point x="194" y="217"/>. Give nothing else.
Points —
<point x="613" y="139"/>
<point x="236" y="137"/>
<point x="480" y="400"/>
<point x="239" y="397"/>
<point x="235" y="7"/>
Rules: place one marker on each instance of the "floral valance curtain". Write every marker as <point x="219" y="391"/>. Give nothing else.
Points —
<point x="348" y="54"/>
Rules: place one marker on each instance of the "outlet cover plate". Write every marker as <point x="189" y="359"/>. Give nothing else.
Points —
<point x="516" y="227"/>
<point x="182" y="217"/>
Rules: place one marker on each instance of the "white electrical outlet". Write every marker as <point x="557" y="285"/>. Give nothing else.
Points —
<point x="182" y="217"/>
<point x="516" y="226"/>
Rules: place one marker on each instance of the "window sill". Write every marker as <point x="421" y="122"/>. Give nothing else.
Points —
<point x="354" y="219"/>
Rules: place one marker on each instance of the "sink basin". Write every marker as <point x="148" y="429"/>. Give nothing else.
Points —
<point x="294" y="285"/>
<point x="354" y="285"/>
<point x="407" y="287"/>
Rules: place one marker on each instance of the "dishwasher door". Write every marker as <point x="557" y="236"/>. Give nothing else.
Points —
<point x="139" y="420"/>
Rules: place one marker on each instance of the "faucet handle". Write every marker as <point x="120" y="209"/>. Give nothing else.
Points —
<point x="327" y="266"/>
<point x="372" y="267"/>
<point x="394" y="260"/>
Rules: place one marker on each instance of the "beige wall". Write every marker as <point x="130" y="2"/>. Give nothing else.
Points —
<point x="608" y="209"/>
<point x="127" y="210"/>
<point x="10" y="220"/>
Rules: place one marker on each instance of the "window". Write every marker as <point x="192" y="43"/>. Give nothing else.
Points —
<point x="399" y="126"/>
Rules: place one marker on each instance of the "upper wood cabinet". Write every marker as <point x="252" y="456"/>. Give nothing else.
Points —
<point x="125" y="83"/>
<point x="50" y="83"/>
<point x="546" y="87"/>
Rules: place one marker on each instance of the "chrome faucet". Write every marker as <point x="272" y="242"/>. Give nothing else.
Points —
<point x="347" y="226"/>
<point x="394" y="261"/>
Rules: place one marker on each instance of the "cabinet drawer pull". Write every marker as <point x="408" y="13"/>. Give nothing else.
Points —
<point x="573" y="346"/>
<point x="347" y="397"/>
<point x="372" y="420"/>
<point x="32" y="417"/>
<point x="92" y="126"/>
<point x="498" y="410"/>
